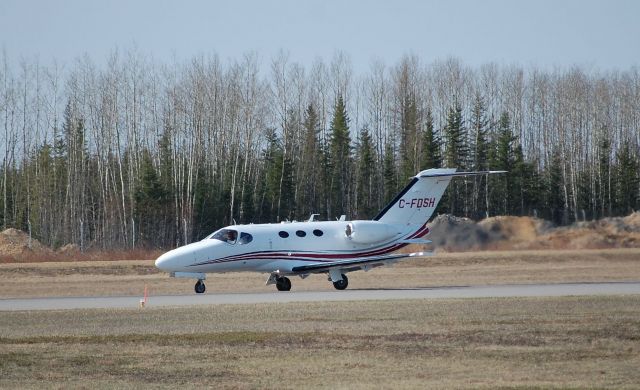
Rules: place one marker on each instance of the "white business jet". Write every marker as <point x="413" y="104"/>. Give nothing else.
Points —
<point x="331" y="247"/>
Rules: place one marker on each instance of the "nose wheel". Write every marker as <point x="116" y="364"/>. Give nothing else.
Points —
<point x="200" y="287"/>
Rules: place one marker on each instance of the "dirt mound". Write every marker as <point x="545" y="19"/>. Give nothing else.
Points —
<point x="69" y="249"/>
<point x="15" y="243"/>
<point x="462" y="234"/>
<point x="515" y="230"/>
<point x="633" y="221"/>
<point x="456" y="234"/>
<point x="452" y="234"/>
<point x="616" y="232"/>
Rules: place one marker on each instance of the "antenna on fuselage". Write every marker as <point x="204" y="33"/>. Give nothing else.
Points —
<point x="313" y="217"/>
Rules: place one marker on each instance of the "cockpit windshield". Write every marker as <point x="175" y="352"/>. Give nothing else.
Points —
<point x="227" y="235"/>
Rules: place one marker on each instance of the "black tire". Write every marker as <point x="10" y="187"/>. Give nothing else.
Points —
<point x="200" y="288"/>
<point x="342" y="284"/>
<point x="283" y="284"/>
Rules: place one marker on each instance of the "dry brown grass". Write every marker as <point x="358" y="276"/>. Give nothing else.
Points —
<point x="574" y="342"/>
<point x="471" y="268"/>
<point x="74" y="255"/>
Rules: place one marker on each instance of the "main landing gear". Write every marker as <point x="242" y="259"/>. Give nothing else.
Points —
<point x="200" y="287"/>
<point x="341" y="284"/>
<point x="283" y="283"/>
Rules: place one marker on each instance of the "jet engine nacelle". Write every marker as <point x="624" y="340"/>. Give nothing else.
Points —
<point x="369" y="232"/>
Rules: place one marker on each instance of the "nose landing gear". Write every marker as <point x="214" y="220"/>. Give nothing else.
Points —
<point x="200" y="287"/>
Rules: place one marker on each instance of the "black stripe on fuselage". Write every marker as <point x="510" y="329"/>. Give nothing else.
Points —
<point x="396" y="199"/>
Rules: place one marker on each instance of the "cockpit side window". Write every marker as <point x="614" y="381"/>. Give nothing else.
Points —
<point x="245" y="238"/>
<point x="227" y="235"/>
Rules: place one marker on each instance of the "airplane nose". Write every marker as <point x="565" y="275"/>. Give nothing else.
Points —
<point x="163" y="262"/>
<point x="180" y="259"/>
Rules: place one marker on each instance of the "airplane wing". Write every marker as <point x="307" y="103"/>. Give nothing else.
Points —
<point x="348" y="265"/>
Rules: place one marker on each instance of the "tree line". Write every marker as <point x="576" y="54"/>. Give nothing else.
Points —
<point x="134" y="153"/>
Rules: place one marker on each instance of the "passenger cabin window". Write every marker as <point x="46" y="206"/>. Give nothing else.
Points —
<point x="300" y="233"/>
<point x="227" y="235"/>
<point x="245" y="238"/>
<point x="283" y="234"/>
<point x="318" y="233"/>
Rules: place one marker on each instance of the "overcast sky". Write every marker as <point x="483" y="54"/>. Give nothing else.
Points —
<point x="594" y="34"/>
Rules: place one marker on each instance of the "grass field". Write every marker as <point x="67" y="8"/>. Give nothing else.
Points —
<point x="572" y="342"/>
<point x="117" y="278"/>
<point x="569" y="342"/>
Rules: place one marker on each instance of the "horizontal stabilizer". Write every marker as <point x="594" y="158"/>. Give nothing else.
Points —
<point x="452" y="174"/>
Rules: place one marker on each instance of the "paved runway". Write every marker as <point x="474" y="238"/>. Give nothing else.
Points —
<point x="513" y="290"/>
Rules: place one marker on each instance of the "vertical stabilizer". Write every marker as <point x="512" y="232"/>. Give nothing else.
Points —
<point x="415" y="204"/>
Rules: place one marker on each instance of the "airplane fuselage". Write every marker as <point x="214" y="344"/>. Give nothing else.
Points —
<point x="282" y="247"/>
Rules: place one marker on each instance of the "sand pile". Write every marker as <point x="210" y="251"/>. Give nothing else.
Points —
<point x="14" y="243"/>
<point x="514" y="232"/>
<point x="450" y="233"/>
<point x="462" y="234"/>
<point x="455" y="233"/>
<point x="617" y="232"/>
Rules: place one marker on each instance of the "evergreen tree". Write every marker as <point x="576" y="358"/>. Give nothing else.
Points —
<point x="365" y="188"/>
<point x="456" y="151"/>
<point x="279" y="179"/>
<point x="554" y="198"/>
<point x="479" y="155"/>
<point x="533" y="184"/>
<point x="287" y="189"/>
<point x="604" y="176"/>
<point x="431" y="156"/>
<point x="502" y="158"/>
<point x="389" y="173"/>
<point x="517" y="187"/>
<point x="326" y="179"/>
<point x="456" y="156"/>
<point x="206" y="207"/>
<point x="312" y="172"/>
<point x="166" y="159"/>
<point x="479" y="133"/>
<point x="340" y="149"/>
<point x="408" y="136"/>
<point x="627" y="179"/>
<point x="150" y="201"/>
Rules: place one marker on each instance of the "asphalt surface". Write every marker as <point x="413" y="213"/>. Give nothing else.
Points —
<point x="523" y="290"/>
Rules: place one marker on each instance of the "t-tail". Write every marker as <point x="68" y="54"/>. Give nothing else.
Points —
<point x="415" y="204"/>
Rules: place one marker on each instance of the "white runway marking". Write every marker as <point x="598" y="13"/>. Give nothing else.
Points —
<point x="522" y="290"/>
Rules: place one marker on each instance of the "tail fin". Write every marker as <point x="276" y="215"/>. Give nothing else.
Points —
<point x="415" y="204"/>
